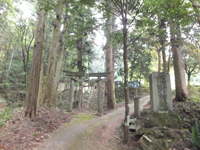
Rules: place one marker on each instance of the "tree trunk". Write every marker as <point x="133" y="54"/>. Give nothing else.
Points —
<point x="10" y="63"/>
<point x="110" y="65"/>
<point x="49" y="90"/>
<point x="162" y="39"/>
<point x="189" y="75"/>
<point x="59" y="62"/>
<point x="40" y="84"/>
<point x="159" y="60"/>
<point x="42" y="70"/>
<point x="179" y="67"/>
<point x="32" y="93"/>
<point x="181" y="88"/>
<point x="164" y="58"/>
<point x="169" y="60"/>
<point x="79" y="45"/>
<point x="126" y="89"/>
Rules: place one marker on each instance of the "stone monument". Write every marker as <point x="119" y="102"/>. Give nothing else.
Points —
<point x="160" y="92"/>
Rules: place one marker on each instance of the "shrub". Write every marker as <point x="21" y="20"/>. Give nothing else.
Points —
<point x="195" y="136"/>
<point x="4" y="116"/>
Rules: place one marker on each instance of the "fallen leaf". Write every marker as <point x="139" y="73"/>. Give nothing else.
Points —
<point x="2" y="147"/>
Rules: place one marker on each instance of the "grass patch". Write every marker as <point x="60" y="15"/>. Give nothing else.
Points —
<point x="82" y="117"/>
<point x="5" y="116"/>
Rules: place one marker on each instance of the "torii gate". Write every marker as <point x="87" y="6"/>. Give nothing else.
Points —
<point x="72" y="78"/>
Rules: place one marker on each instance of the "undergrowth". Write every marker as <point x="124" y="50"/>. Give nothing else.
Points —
<point x="194" y="91"/>
<point x="79" y="118"/>
<point x="195" y="136"/>
<point x="4" y="116"/>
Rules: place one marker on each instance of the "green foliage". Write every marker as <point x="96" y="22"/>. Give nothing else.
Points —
<point x="16" y="36"/>
<point x="6" y="4"/>
<point x="196" y="99"/>
<point x="47" y="5"/>
<point x="80" y="35"/>
<point x="97" y="63"/>
<point x="12" y="84"/>
<point x="194" y="91"/>
<point x="140" y="58"/>
<point x="195" y="136"/>
<point x="191" y="55"/>
<point x="62" y="99"/>
<point x="81" y="117"/>
<point x="4" y="116"/>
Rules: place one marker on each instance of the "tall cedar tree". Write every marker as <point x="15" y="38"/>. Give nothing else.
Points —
<point x="49" y="85"/>
<point x="32" y="93"/>
<point x="110" y="63"/>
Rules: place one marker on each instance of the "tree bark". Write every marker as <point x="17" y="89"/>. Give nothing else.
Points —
<point x="126" y="88"/>
<point x="162" y="39"/>
<point x="49" y="90"/>
<point x="42" y="70"/>
<point x="169" y="60"/>
<point x="32" y="93"/>
<point x="40" y="84"/>
<point x="59" y="62"/>
<point x="181" y="88"/>
<point x="189" y="75"/>
<point x="79" y="45"/>
<point x="159" y="59"/>
<point x="164" y="58"/>
<point x="110" y="65"/>
<point x="179" y="67"/>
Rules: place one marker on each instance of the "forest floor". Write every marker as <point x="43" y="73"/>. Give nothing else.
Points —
<point x="84" y="129"/>
<point x="24" y="134"/>
<point x="100" y="132"/>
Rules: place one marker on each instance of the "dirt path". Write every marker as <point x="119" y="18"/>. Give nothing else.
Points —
<point x="89" y="135"/>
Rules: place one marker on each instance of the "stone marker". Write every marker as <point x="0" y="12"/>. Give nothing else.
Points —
<point x="137" y="107"/>
<point x="160" y="92"/>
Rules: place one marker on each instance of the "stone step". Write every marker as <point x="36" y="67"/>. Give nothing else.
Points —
<point x="133" y="128"/>
<point x="133" y="120"/>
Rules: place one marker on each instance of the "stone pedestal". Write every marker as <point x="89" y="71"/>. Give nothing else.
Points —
<point x="160" y="92"/>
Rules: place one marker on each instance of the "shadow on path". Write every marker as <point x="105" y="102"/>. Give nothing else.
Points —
<point x="89" y="135"/>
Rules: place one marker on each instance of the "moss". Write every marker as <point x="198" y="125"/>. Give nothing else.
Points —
<point x="82" y="117"/>
<point x="169" y="120"/>
<point x="161" y="138"/>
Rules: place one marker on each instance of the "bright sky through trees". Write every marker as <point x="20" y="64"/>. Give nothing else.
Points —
<point x="26" y="8"/>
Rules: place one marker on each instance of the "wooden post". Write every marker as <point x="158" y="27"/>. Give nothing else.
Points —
<point x="136" y="92"/>
<point x="99" y="97"/>
<point x="136" y="104"/>
<point x="80" y="103"/>
<point x="81" y="74"/>
<point x="71" y="96"/>
<point x="137" y="107"/>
